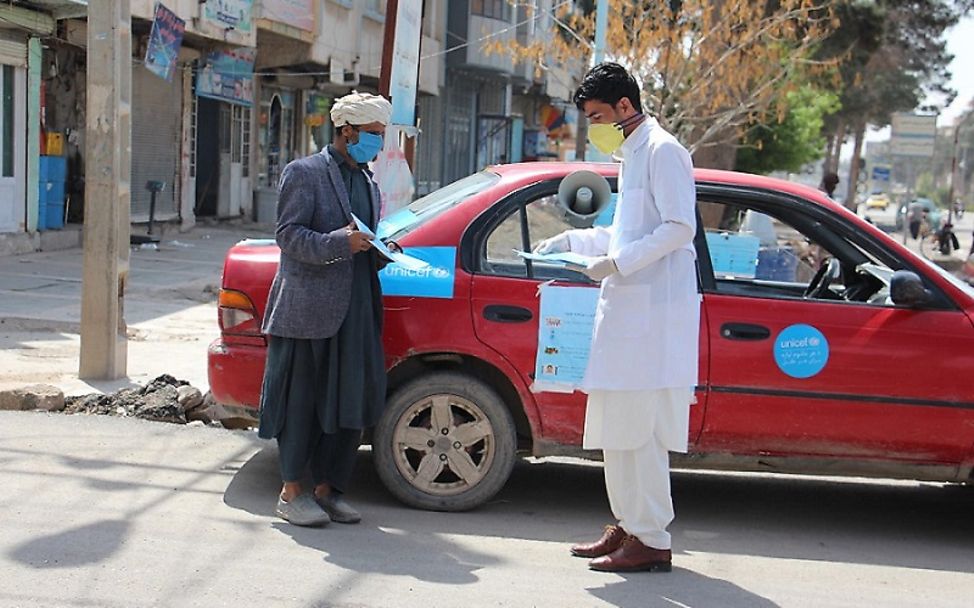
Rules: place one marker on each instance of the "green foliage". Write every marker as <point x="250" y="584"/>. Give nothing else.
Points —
<point x="893" y="54"/>
<point x="795" y="141"/>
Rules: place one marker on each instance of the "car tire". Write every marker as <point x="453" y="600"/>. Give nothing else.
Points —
<point x="439" y="422"/>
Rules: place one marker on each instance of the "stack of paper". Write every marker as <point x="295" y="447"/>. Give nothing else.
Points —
<point x="402" y="259"/>
<point x="565" y="258"/>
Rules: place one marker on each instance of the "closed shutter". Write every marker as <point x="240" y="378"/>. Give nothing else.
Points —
<point x="156" y="131"/>
<point x="429" y="146"/>
<point x="461" y="100"/>
<point x="13" y="49"/>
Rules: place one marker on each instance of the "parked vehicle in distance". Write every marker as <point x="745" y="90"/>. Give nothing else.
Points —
<point x="878" y="200"/>
<point x="808" y="364"/>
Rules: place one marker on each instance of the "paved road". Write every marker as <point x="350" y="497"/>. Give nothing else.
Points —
<point x="108" y="512"/>
<point x="886" y="220"/>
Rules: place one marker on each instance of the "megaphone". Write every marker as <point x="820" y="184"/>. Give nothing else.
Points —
<point x="583" y="194"/>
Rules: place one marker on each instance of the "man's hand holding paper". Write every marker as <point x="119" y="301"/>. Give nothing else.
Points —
<point x="391" y="251"/>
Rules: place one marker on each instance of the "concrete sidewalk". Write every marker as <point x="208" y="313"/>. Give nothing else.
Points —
<point x="170" y="309"/>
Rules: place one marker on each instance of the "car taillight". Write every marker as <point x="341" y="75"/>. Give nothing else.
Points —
<point x="238" y="315"/>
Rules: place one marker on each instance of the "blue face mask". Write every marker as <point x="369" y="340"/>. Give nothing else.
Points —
<point x="366" y="148"/>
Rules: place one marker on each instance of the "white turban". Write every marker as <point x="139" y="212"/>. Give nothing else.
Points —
<point x="360" y="109"/>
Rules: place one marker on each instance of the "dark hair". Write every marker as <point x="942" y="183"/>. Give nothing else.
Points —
<point x="608" y="82"/>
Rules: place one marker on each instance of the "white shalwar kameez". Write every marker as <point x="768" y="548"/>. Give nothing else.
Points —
<point x="643" y="363"/>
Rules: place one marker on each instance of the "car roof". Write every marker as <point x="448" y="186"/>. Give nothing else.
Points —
<point x="535" y="171"/>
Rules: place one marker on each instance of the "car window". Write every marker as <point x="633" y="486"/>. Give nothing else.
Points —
<point x="523" y="228"/>
<point x="748" y="245"/>
<point x="754" y="253"/>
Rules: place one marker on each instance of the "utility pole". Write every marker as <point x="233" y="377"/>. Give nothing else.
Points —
<point x="953" y="167"/>
<point x="108" y="149"/>
<point x="601" y="21"/>
<point x="388" y="47"/>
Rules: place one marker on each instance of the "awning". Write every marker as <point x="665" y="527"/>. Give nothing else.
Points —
<point x="61" y="9"/>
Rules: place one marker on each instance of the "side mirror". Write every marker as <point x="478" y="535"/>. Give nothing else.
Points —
<point x="906" y="289"/>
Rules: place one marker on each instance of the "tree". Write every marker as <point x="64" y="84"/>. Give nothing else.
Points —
<point x="793" y="142"/>
<point x="709" y="68"/>
<point x="894" y="56"/>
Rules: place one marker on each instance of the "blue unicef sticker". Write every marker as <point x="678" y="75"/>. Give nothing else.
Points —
<point x="434" y="281"/>
<point x="801" y="351"/>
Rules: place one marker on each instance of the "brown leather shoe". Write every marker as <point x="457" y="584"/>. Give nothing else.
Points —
<point x="634" y="556"/>
<point x="611" y="540"/>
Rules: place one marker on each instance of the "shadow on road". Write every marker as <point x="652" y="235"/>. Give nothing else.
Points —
<point x="681" y="587"/>
<point x="854" y="521"/>
<point x="88" y="544"/>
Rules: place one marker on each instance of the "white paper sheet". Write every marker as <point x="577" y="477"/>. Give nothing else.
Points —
<point x="565" y="258"/>
<point x="402" y="259"/>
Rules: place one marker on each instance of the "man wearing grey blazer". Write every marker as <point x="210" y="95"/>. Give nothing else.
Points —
<point x="324" y="380"/>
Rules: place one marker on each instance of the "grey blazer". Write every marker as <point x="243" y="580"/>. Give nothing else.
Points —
<point x="311" y="290"/>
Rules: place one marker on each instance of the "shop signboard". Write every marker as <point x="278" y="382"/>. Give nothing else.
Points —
<point x="229" y="14"/>
<point x="296" y="13"/>
<point x="228" y="76"/>
<point x="913" y="135"/>
<point x="164" y="42"/>
<point x="316" y="110"/>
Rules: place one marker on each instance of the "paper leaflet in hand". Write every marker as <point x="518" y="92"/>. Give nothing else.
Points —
<point x="402" y="259"/>
<point x="563" y="258"/>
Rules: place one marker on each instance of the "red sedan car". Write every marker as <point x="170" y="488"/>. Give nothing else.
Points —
<point x="807" y="364"/>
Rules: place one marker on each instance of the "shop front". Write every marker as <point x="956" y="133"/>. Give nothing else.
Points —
<point x="13" y="135"/>
<point x="222" y="130"/>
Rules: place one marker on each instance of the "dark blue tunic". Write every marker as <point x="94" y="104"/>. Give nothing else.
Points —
<point x="342" y="376"/>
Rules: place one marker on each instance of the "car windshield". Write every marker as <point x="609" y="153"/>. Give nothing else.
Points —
<point x="422" y="210"/>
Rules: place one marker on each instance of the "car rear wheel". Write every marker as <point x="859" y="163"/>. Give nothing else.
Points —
<point x="446" y="442"/>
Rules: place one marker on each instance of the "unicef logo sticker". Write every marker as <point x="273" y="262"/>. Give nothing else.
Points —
<point x="801" y="351"/>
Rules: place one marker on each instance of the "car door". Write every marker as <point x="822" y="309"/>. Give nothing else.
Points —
<point x="839" y="373"/>
<point x="505" y="299"/>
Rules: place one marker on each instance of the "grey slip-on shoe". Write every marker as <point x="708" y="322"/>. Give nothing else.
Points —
<point x="302" y="511"/>
<point x="338" y="508"/>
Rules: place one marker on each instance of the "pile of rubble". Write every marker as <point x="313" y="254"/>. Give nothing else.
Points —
<point x="165" y="399"/>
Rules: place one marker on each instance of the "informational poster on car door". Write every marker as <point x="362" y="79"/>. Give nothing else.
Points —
<point x="567" y="316"/>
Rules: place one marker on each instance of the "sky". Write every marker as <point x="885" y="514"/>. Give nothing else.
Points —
<point x="960" y="43"/>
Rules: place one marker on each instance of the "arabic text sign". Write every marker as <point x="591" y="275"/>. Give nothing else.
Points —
<point x="228" y="76"/>
<point x="733" y="255"/>
<point x="801" y="351"/>
<point x="229" y="14"/>
<point x="565" y="324"/>
<point x="164" y="42"/>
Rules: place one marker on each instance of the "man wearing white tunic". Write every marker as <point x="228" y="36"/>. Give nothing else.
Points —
<point x="643" y="364"/>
